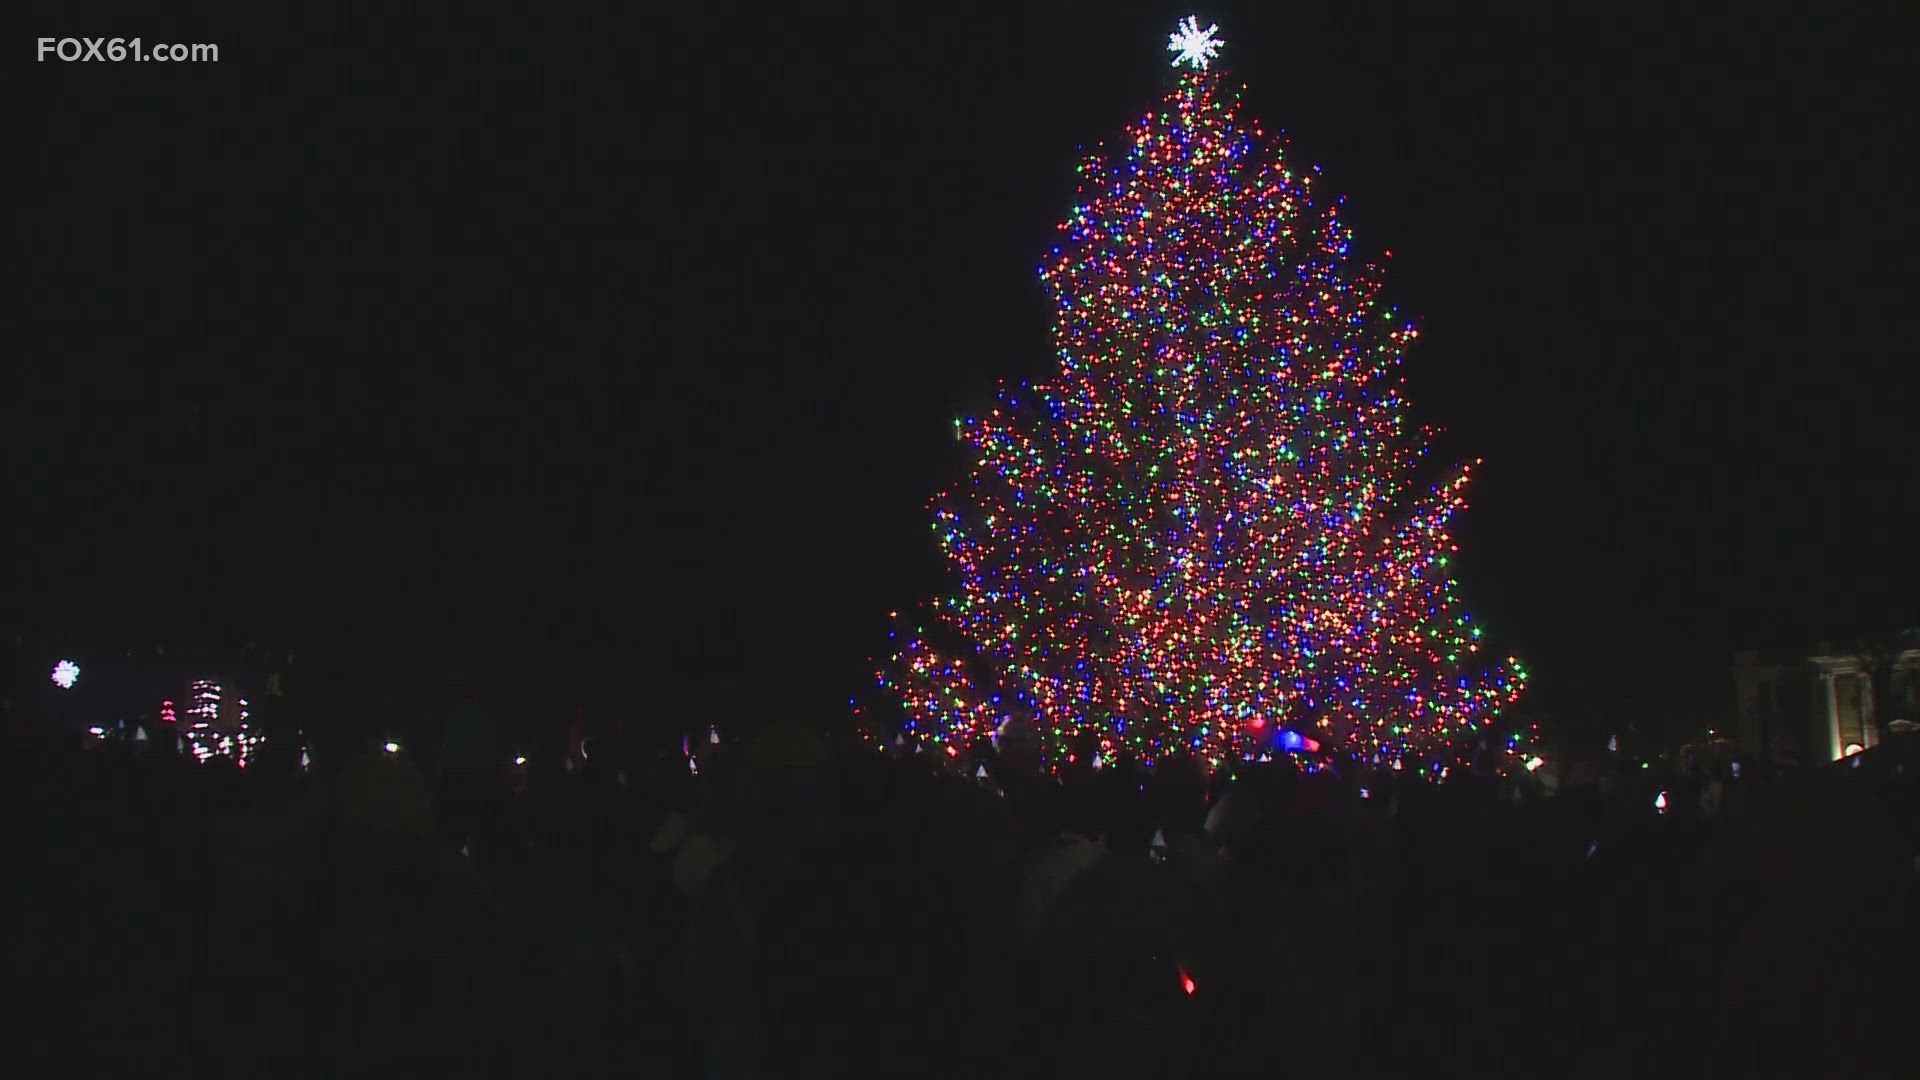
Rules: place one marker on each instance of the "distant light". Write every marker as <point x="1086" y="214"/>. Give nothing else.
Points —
<point x="1592" y="846"/>
<point x="1534" y="763"/>
<point x="1258" y="722"/>
<point x="1187" y="983"/>
<point x="713" y="735"/>
<point x="1736" y="770"/>
<point x="1660" y="802"/>
<point x="392" y="748"/>
<point x="519" y="760"/>
<point x="96" y="731"/>
<point x="1852" y="749"/>
<point x="65" y="674"/>
<point x="1365" y="794"/>
<point x="1613" y="743"/>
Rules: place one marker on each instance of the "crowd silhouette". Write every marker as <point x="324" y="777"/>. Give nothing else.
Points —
<point x="803" y="908"/>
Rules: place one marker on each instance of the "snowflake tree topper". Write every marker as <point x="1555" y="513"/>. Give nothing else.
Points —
<point x="1192" y="45"/>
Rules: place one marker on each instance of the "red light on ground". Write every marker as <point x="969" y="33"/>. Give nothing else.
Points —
<point x="1259" y="722"/>
<point x="1187" y="983"/>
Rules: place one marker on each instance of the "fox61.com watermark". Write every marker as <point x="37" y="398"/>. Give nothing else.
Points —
<point x="121" y="50"/>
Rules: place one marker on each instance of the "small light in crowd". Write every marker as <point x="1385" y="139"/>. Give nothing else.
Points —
<point x="1735" y="767"/>
<point x="1187" y="983"/>
<point x="693" y="767"/>
<point x="713" y="735"/>
<point x="1534" y="763"/>
<point x="980" y="773"/>
<point x="96" y="731"/>
<point x="392" y="748"/>
<point x="1613" y="743"/>
<point x="1660" y="802"/>
<point x="1365" y="794"/>
<point x="1397" y="767"/>
<point x="519" y="759"/>
<point x="305" y="761"/>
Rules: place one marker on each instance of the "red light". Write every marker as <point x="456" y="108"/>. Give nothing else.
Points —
<point x="1259" y="722"/>
<point x="1187" y="983"/>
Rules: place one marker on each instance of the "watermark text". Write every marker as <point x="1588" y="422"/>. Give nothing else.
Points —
<point x="123" y="50"/>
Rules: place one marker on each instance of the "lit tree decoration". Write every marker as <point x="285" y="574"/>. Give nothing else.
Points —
<point x="1193" y="45"/>
<point x="1209" y="528"/>
<point x="65" y="674"/>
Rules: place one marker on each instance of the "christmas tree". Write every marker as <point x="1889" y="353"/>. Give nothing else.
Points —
<point x="1210" y="530"/>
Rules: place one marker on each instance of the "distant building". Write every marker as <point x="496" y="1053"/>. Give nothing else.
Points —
<point x="1821" y="705"/>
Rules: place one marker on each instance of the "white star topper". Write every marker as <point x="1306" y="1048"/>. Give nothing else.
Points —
<point x="1194" y="45"/>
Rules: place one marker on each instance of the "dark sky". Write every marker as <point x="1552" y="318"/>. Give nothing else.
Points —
<point x="608" y="351"/>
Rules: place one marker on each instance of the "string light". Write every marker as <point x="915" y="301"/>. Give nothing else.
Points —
<point x="1211" y="525"/>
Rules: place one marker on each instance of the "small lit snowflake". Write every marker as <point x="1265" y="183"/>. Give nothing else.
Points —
<point x="1194" y="45"/>
<point x="65" y="674"/>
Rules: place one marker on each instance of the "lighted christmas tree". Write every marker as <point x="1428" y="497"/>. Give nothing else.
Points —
<point x="1217" y="522"/>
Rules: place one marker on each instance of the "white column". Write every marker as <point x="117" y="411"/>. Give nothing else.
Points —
<point x="1834" y="745"/>
<point x="1868" y="732"/>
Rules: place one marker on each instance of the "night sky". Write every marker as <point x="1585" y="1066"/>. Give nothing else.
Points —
<point x="614" y="356"/>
